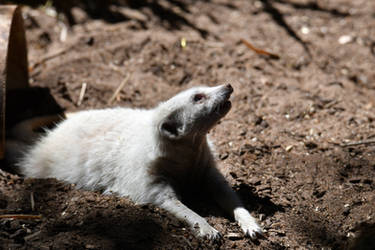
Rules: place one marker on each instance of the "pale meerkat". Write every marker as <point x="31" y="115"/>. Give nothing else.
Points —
<point x="146" y="155"/>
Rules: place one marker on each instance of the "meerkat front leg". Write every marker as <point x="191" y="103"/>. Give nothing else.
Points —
<point x="229" y="201"/>
<point x="172" y="204"/>
<point x="196" y="222"/>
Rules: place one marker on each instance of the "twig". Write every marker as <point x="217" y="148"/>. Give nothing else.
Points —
<point x="51" y="56"/>
<point x="357" y="143"/>
<point x="83" y="55"/>
<point x="32" y="236"/>
<point x="82" y="94"/>
<point x="259" y="51"/>
<point x="32" y="201"/>
<point x="20" y="216"/>
<point x="119" y="88"/>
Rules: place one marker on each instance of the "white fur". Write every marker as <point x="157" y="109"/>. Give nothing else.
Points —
<point x="146" y="155"/>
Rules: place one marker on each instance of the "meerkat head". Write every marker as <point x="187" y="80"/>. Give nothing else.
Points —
<point x="193" y="112"/>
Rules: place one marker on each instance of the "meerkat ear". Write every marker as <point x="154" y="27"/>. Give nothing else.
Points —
<point x="172" y="127"/>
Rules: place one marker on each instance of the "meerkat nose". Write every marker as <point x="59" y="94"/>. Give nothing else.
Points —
<point x="229" y="87"/>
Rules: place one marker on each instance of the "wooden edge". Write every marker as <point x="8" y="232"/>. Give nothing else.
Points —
<point x="13" y="59"/>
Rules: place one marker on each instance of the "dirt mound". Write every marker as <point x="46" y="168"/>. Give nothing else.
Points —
<point x="285" y="147"/>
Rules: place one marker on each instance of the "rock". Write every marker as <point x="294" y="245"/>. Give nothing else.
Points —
<point x="234" y="236"/>
<point x="289" y="148"/>
<point x="345" y="39"/>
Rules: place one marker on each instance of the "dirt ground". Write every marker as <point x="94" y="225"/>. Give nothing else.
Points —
<point x="285" y="147"/>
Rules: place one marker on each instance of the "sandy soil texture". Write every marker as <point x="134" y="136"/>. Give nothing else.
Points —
<point x="289" y="146"/>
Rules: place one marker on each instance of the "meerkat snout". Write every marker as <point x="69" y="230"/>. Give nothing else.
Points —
<point x="192" y="113"/>
<point x="229" y="87"/>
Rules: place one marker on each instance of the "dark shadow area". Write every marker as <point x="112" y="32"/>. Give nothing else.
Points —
<point x="166" y="14"/>
<point x="29" y="112"/>
<point x="70" y="217"/>
<point x="333" y="183"/>
<point x="314" y="6"/>
<point x="365" y="239"/>
<point x="321" y="232"/>
<point x="203" y="204"/>
<point x="94" y="9"/>
<point x="317" y="229"/>
<point x="278" y="17"/>
<point x="23" y="104"/>
<point x="356" y="165"/>
<point x="110" y="231"/>
<point x="104" y="10"/>
<point x="262" y="205"/>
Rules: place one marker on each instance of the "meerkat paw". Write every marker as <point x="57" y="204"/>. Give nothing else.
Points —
<point x="247" y="223"/>
<point x="206" y="231"/>
<point x="251" y="229"/>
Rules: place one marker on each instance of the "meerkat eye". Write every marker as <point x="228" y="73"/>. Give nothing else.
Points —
<point x="199" y="97"/>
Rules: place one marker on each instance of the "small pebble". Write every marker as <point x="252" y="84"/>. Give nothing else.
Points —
<point x="350" y="234"/>
<point x="234" y="236"/>
<point x="305" y="30"/>
<point x="345" y="39"/>
<point x="288" y="148"/>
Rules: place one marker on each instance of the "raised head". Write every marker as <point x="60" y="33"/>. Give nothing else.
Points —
<point x="193" y="112"/>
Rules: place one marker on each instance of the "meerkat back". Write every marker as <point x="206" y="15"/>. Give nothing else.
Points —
<point x="91" y="149"/>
